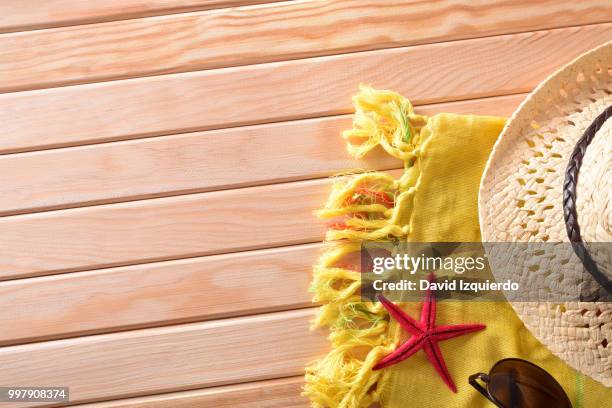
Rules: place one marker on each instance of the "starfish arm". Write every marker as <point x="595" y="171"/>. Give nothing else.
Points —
<point x="407" y="322"/>
<point x="411" y="346"/>
<point x="437" y="360"/>
<point x="448" y="332"/>
<point x="428" y="312"/>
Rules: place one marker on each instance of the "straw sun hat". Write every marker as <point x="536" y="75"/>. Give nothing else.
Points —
<point x="549" y="179"/>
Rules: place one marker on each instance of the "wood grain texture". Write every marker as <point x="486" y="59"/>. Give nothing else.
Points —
<point x="162" y="229"/>
<point x="156" y="294"/>
<point x="168" y="359"/>
<point x="277" y="31"/>
<point x="282" y="393"/>
<point x="186" y="163"/>
<point x="22" y="15"/>
<point x="315" y="87"/>
<point x="197" y="162"/>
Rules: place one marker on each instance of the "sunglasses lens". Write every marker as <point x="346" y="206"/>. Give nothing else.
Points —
<point x="519" y="384"/>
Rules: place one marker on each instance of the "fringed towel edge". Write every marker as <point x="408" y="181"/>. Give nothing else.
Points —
<point x="367" y="206"/>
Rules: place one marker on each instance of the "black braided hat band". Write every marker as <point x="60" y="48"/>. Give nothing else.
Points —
<point x="569" y="200"/>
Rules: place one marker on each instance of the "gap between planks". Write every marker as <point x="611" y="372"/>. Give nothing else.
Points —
<point x="168" y="359"/>
<point x="315" y="87"/>
<point x="273" y="32"/>
<point x="197" y="162"/>
<point x="27" y="15"/>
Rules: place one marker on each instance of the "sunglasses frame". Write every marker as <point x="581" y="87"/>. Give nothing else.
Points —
<point x="485" y="379"/>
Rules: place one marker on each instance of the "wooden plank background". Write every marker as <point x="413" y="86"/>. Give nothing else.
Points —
<point x="281" y="393"/>
<point x="161" y="160"/>
<point x="169" y="358"/>
<point x="288" y="90"/>
<point x="207" y="40"/>
<point x="25" y="15"/>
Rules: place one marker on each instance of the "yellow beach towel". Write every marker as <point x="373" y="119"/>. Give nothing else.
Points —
<point x="435" y="200"/>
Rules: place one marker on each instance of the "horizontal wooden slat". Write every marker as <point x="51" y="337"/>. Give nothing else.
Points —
<point x="241" y="36"/>
<point x="186" y="163"/>
<point x="282" y="393"/>
<point x="167" y="359"/>
<point x="285" y="90"/>
<point x="21" y="15"/>
<point x="162" y="229"/>
<point x="193" y="289"/>
<point x="197" y="162"/>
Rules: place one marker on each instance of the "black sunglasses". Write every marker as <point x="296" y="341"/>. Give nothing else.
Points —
<point x="516" y="383"/>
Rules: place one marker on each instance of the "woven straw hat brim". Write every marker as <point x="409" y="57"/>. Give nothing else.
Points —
<point x="521" y="199"/>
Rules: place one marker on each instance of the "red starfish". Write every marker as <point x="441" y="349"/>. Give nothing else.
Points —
<point x="425" y="335"/>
